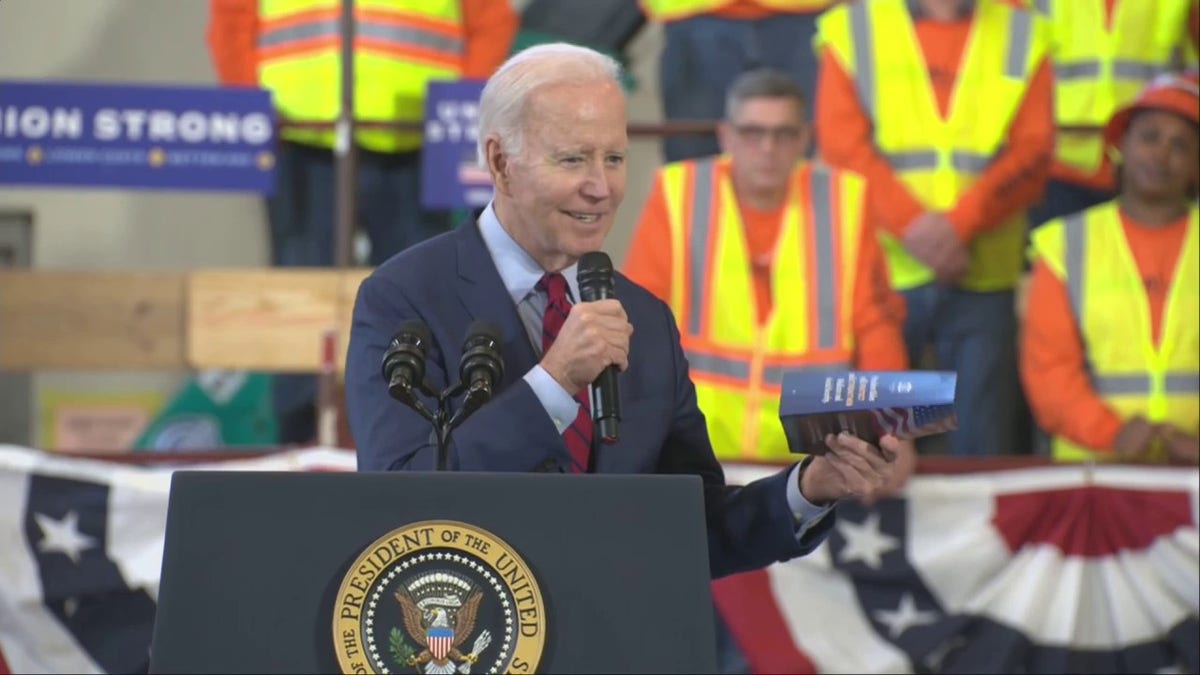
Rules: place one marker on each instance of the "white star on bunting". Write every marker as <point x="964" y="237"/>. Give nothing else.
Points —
<point x="865" y="542"/>
<point x="63" y="536"/>
<point x="904" y="617"/>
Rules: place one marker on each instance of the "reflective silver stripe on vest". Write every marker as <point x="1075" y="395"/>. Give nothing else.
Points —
<point x="913" y="160"/>
<point x="773" y="375"/>
<point x="1043" y="6"/>
<point x="702" y="198"/>
<point x="970" y="162"/>
<point x="277" y="37"/>
<point x="1139" y="384"/>
<point x="1020" y="28"/>
<point x="1076" y="71"/>
<point x="1137" y="70"/>
<point x="864" y="56"/>
<point x="400" y="35"/>
<point x="822" y="228"/>
<point x="927" y="160"/>
<point x="407" y="35"/>
<point x="1123" y="69"/>
<point x="717" y="365"/>
<point x="1182" y="383"/>
<point x="1076" y="241"/>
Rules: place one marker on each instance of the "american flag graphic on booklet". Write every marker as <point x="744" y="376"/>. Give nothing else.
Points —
<point x="921" y="420"/>
<point x="868" y="404"/>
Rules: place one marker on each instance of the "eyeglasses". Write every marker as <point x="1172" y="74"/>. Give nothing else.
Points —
<point x="753" y="133"/>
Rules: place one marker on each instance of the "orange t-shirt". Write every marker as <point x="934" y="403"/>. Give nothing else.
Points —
<point x="1053" y="358"/>
<point x="878" y="312"/>
<point x="748" y="10"/>
<point x="488" y="28"/>
<point x="1014" y="181"/>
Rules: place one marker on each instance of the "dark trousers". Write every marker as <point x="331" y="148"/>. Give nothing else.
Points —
<point x="1062" y="199"/>
<point x="973" y="334"/>
<point x="703" y="55"/>
<point x="302" y="224"/>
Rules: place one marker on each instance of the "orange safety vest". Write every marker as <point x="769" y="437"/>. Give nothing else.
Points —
<point x="736" y="363"/>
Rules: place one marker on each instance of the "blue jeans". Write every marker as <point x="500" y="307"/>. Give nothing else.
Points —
<point x="703" y="55"/>
<point x="301" y="218"/>
<point x="973" y="334"/>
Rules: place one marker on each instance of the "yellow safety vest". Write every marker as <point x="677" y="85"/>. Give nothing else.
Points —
<point x="673" y="10"/>
<point x="736" y="363"/>
<point x="939" y="159"/>
<point x="1098" y="69"/>
<point x="1089" y="253"/>
<point x="400" y="45"/>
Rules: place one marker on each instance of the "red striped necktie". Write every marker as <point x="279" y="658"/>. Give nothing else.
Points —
<point x="579" y="436"/>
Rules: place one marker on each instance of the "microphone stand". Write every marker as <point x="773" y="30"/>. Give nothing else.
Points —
<point x="440" y="418"/>
<point x="444" y="423"/>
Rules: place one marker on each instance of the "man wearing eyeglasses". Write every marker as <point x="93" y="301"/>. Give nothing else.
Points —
<point x="768" y="264"/>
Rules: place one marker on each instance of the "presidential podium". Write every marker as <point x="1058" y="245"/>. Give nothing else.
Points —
<point x="449" y="572"/>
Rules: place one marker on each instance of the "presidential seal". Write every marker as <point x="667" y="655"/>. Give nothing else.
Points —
<point x="439" y="596"/>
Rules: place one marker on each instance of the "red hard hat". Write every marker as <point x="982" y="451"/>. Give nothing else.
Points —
<point x="1177" y="93"/>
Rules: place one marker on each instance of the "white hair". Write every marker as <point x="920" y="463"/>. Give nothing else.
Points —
<point x="502" y="103"/>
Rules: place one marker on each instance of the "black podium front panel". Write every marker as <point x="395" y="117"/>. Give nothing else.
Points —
<point x="258" y="565"/>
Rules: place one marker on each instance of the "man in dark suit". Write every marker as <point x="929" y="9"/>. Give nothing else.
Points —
<point x="552" y="132"/>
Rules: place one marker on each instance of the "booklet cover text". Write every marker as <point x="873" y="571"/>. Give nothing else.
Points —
<point x="868" y="404"/>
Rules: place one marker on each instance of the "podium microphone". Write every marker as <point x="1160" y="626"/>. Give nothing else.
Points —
<point x="480" y="369"/>
<point x="596" y="283"/>
<point x="404" y="365"/>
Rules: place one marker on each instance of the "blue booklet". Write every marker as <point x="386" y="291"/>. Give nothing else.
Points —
<point x="905" y="403"/>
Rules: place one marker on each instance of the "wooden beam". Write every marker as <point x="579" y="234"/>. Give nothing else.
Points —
<point x="268" y="320"/>
<point x="91" y="320"/>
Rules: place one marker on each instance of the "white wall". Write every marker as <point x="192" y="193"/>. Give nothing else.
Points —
<point x="162" y="41"/>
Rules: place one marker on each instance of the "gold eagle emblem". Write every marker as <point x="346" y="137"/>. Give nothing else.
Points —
<point x="441" y="635"/>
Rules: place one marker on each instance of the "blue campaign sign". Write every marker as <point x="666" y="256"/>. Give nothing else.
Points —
<point x="450" y="176"/>
<point x="136" y="136"/>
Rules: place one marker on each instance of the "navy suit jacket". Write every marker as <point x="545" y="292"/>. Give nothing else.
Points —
<point x="449" y="281"/>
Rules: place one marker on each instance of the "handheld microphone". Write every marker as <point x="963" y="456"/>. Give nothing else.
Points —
<point x="481" y="367"/>
<point x="404" y="365"/>
<point x="596" y="283"/>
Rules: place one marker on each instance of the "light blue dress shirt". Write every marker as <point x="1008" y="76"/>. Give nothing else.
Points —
<point x="520" y="274"/>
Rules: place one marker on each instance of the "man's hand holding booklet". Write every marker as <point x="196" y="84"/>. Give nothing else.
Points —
<point x="905" y="404"/>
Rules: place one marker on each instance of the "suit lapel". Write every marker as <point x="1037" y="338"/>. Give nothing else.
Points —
<point x="483" y="296"/>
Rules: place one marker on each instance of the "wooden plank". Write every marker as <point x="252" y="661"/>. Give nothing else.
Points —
<point x="257" y="319"/>
<point x="269" y="319"/>
<point x="91" y="320"/>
